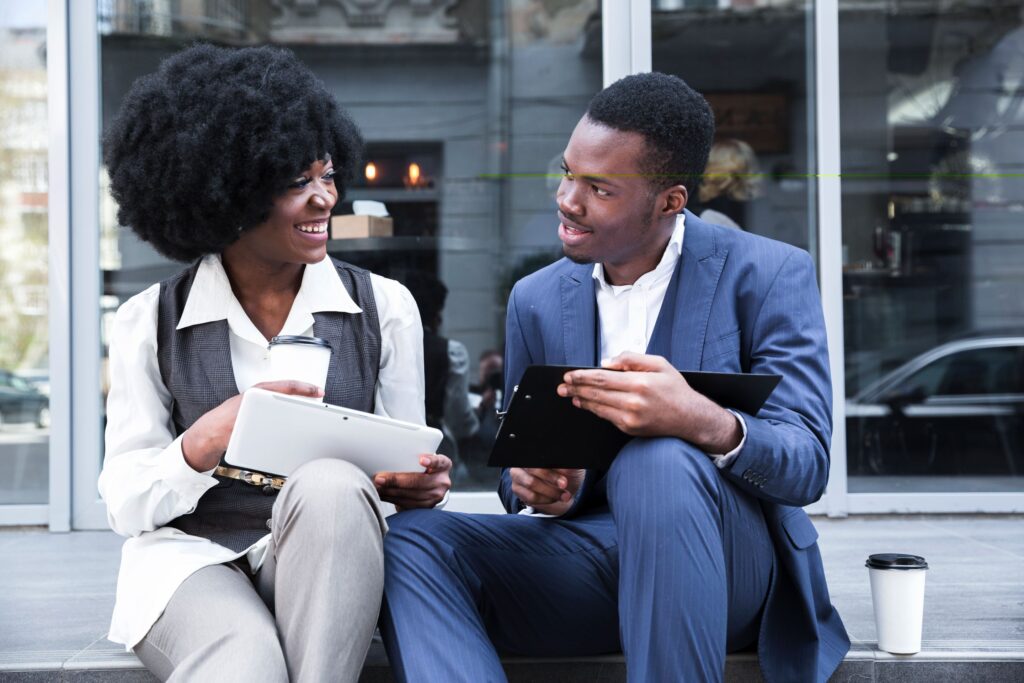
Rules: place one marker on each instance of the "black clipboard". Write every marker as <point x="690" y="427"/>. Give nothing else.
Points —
<point x="542" y="429"/>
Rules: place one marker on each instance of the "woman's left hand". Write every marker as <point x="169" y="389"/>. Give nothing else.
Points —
<point x="416" y="489"/>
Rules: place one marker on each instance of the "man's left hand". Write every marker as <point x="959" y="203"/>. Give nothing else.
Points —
<point x="416" y="489"/>
<point x="645" y="396"/>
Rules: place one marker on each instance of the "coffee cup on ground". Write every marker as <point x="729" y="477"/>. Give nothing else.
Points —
<point x="897" y="593"/>
<point x="305" y="359"/>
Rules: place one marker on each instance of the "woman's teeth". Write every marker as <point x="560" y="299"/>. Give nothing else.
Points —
<point x="313" y="227"/>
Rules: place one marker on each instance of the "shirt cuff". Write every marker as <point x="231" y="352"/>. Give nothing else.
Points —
<point x="724" y="460"/>
<point x="179" y="476"/>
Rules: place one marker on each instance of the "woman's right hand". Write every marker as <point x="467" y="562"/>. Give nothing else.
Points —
<point x="207" y="439"/>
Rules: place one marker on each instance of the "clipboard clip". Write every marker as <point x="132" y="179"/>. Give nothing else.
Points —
<point x="502" y="413"/>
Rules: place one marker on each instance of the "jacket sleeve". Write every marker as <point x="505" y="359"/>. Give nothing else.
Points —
<point x="785" y="458"/>
<point x="145" y="480"/>
<point x="517" y="358"/>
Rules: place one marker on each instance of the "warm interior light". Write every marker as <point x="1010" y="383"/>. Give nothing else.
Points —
<point x="371" y="171"/>
<point x="414" y="173"/>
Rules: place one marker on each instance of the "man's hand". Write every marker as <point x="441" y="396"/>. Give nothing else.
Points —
<point x="416" y="489"/>
<point x="547" y="491"/>
<point x="207" y="439"/>
<point x="645" y="396"/>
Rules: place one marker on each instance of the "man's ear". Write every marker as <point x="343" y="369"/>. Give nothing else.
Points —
<point x="673" y="200"/>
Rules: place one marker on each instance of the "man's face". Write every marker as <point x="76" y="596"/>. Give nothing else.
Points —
<point x="606" y="206"/>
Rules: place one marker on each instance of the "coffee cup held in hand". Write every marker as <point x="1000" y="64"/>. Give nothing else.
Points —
<point x="305" y="359"/>
<point x="897" y="593"/>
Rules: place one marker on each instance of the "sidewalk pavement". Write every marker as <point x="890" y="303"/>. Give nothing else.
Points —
<point x="58" y="591"/>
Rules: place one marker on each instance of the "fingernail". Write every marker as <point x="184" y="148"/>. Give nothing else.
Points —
<point x="379" y="481"/>
<point x="576" y="402"/>
<point x="562" y="483"/>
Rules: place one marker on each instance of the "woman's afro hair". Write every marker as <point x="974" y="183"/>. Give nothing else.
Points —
<point x="674" y="119"/>
<point x="201" y="148"/>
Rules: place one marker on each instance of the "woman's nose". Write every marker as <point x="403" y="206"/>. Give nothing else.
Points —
<point x="321" y="201"/>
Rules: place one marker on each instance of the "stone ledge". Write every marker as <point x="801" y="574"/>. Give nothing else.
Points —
<point x="939" y="661"/>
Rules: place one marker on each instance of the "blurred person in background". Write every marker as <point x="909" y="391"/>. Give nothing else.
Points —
<point x="446" y="369"/>
<point x="731" y="181"/>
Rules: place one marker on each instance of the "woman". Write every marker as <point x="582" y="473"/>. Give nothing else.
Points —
<point x="233" y="159"/>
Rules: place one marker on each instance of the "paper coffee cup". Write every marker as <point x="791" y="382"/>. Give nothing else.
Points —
<point x="897" y="593"/>
<point x="305" y="359"/>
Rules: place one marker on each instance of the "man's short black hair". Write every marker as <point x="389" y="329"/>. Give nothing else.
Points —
<point x="201" y="148"/>
<point x="674" y="119"/>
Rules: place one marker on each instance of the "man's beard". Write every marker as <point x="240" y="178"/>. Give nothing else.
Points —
<point x="579" y="258"/>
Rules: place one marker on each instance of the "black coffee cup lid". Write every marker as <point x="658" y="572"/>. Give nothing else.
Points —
<point x="298" y="339"/>
<point x="896" y="561"/>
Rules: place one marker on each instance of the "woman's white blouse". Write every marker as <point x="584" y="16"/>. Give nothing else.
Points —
<point x="146" y="482"/>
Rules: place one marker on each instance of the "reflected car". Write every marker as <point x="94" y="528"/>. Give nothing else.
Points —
<point x="957" y="409"/>
<point x="21" y="402"/>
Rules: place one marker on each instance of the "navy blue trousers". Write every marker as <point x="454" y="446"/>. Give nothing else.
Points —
<point x="673" y="571"/>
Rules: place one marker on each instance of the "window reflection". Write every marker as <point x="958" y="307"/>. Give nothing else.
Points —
<point x="24" y="278"/>
<point x="931" y="107"/>
<point x="751" y="59"/>
<point x="464" y="114"/>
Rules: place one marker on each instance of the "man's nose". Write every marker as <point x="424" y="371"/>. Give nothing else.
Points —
<point x="568" y="198"/>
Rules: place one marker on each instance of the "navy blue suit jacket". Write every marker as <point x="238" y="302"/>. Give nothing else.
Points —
<point x="744" y="304"/>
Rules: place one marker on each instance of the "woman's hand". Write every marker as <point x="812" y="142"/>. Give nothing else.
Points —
<point x="207" y="439"/>
<point x="416" y="489"/>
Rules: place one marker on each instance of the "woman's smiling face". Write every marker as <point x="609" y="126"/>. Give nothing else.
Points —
<point x="296" y="231"/>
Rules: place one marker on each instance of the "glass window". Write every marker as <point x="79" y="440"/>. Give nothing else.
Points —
<point x="24" y="279"/>
<point x="465" y="114"/>
<point x="751" y="59"/>
<point x="932" y="196"/>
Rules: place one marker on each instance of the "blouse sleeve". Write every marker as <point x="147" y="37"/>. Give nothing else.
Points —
<point x="145" y="480"/>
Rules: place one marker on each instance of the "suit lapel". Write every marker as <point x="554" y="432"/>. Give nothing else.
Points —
<point x="703" y="261"/>
<point x="579" y="317"/>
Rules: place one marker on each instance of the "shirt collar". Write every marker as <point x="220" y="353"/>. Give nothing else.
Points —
<point x="668" y="259"/>
<point x="211" y="298"/>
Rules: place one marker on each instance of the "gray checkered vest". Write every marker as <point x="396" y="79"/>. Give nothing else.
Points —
<point x="195" y="364"/>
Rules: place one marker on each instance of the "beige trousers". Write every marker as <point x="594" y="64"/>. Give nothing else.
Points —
<point x="307" y="615"/>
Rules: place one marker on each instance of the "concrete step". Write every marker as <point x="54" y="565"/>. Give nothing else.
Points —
<point x="939" y="661"/>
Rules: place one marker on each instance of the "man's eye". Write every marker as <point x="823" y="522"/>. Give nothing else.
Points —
<point x="601" y="192"/>
<point x="567" y="174"/>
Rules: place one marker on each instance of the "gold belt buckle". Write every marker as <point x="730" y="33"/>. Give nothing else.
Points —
<point x="267" y="482"/>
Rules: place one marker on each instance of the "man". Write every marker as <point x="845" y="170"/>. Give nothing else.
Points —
<point x="693" y="543"/>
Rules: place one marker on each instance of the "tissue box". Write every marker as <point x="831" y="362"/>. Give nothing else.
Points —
<point x="353" y="227"/>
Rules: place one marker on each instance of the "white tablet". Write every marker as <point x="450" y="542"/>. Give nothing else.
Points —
<point x="275" y="433"/>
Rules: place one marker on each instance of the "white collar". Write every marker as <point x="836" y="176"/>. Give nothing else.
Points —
<point x="669" y="258"/>
<point x="211" y="297"/>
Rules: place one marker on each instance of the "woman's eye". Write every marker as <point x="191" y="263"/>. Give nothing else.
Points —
<point x="567" y="174"/>
<point x="329" y="176"/>
<point x="298" y="183"/>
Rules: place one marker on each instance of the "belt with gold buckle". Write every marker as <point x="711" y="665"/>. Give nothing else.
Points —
<point x="266" y="481"/>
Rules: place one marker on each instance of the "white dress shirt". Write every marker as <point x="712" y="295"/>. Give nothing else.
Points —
<point x="628" y="313"/>
<point x="146" y="482"/>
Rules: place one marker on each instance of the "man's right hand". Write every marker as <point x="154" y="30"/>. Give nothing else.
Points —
<point x="207" y="439"/>
<point x="550" y="491"/>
